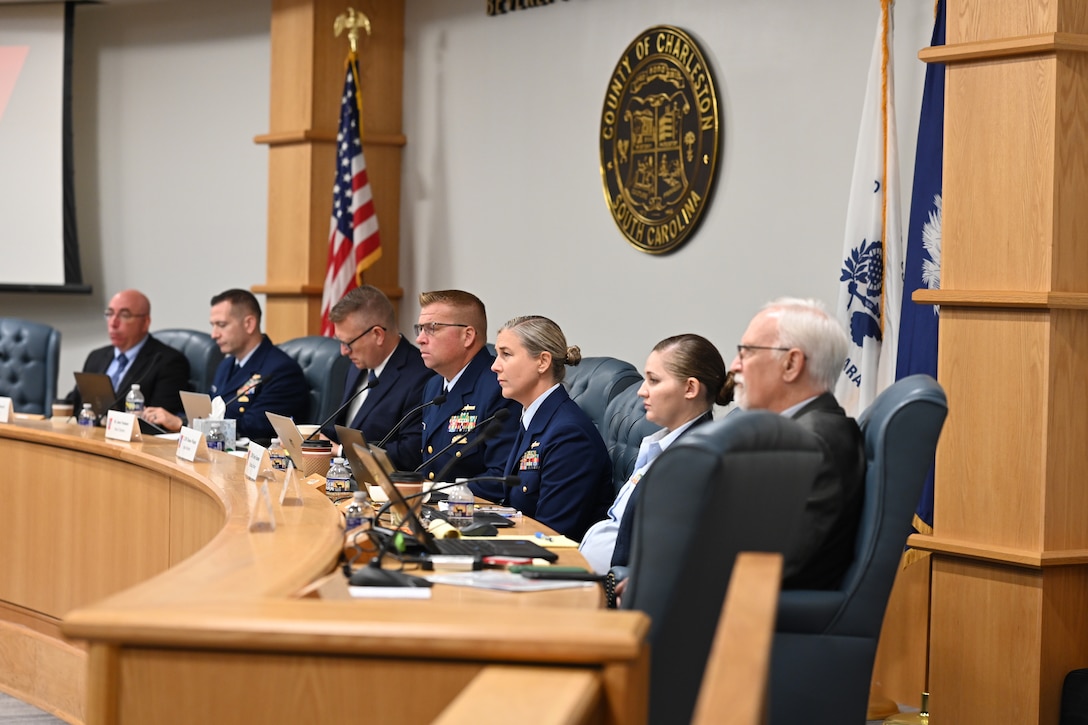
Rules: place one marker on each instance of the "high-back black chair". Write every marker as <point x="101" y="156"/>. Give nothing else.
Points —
<point x="29" y="359"/>
<point x="201" y="351"/>
<point x="732" y="485"/>
<point x="324" y="368"/>
<point x="825" y="641"/>
<point x="595" y="381"/>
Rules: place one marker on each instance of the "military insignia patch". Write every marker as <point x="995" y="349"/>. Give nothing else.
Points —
<point x="659" y="139"/>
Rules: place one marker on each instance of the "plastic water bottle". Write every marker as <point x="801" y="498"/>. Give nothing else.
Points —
<point x="215" y="438"/>
<point x="134" y="401"/>
<point x="355" y="512"/>
<point x="460" y="505"/>
<point x="337" y="480"/>
<point x="87" y="419"/>
<point x="277" y="455"/>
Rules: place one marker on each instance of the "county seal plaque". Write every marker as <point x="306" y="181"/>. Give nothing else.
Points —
<point x="659" y="139"/>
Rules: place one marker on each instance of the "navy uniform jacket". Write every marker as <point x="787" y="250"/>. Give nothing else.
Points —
<point x="399" y="389"/>
<point x="830" y="521"/>
<point x="284" y="390"/>
<point x="160" y="370"/>
<point x="476" y="397"/>
<point x="565" y="471"/>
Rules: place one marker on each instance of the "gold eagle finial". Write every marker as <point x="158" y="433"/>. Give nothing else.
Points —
<point x="351" y="21"/>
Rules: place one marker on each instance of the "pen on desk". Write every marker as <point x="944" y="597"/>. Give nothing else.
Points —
<point x="542" y="535"/>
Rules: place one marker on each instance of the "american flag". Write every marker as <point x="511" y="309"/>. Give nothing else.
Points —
<point x="354" y="244"/>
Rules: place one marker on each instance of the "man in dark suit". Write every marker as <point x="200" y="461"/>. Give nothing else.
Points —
<point x="789" y="360"/>
<point x="256" y="376"/>
<point x="365" y="324"/>
<point x="134" y="356"/>
<point x="451" y="337"/>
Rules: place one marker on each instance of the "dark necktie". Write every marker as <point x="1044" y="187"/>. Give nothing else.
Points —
<point x="118" y="372"/>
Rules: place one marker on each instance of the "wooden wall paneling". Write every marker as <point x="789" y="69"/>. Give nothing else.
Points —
<point x="307" y="70"/>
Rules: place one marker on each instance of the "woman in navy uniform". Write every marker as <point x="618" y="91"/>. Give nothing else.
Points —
<point x="560" y="458"/>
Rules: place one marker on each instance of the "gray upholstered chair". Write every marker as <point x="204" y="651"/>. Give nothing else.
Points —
<point x="29" y="359"/>
<point x="825" y="641"/>
<point x="201" y="351"/>
<point x="625" y="426"/>
<point x="325" y="369"/>
<point x="594" y="382"/>
<point x="732" y="485"/>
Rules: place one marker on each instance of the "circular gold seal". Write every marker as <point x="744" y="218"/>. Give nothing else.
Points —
<point x="659" y="139"/>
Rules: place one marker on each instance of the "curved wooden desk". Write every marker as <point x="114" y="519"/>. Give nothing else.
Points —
<point x="188" y="616"/>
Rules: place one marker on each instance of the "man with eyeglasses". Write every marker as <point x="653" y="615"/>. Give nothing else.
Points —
<point x="788" y="362"/>
<point x="255" y="377"/>
<point x="134" y="356"/>
<point x="365" y="324"/>
<point x="451" y="335"/>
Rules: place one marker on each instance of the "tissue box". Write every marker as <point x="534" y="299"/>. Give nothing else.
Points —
<point x="228" y="426"/>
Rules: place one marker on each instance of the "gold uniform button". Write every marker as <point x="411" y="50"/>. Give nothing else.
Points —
<point x="457" y="454"/>
<point x="241" y="409"/>
<point x="525" y="489"/>
<point x="430" y="449"/>
<point x="431" y="474"/>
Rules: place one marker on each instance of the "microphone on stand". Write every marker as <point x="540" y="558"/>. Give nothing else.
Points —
<point x="373" y="383"/>
<point x="508" y="481"/>
<point x="487" y="428"/>
<point x="437" y="400"/>
<point x="253" y="384"/>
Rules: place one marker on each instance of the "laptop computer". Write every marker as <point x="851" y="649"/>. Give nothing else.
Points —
<point x="97" y="389"/>
<point x="470" y="547"/>
<point x="196" y="405"/>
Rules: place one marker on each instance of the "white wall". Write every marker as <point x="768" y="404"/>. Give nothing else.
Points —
<point x="501" y="181"/>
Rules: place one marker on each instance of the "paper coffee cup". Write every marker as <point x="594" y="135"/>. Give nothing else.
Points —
<point x="63" y="410"/>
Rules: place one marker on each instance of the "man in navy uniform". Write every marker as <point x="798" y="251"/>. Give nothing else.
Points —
<point x="451" y="335"/>
<point x="365" y="324"/>
<point x="256" y="376"/>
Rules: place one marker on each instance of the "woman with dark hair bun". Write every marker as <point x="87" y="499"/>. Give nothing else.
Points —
<point x="560" y="458"/>
<point x="685" y="377"/>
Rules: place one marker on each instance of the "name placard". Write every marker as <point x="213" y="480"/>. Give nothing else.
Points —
<point x="191" y="445"/>
<point x="257" y="461"/>
<point x="7" y="410"/>
<point x="122" y="426"/>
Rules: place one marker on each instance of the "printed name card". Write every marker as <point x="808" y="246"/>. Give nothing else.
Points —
<point x="257" y="462"/>
<point x="122" y="426"/>
<point x="7" y="410"/>
<point x="191" y="444"/>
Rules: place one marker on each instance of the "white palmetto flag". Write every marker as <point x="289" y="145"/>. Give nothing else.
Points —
<point x="871" y="277"/>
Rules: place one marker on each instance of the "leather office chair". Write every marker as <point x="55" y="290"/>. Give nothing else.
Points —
<point x="732" y="485"/>
<point x="595" y="381"/>
<point x="29" y="360"/>
<point x="201" y="352"/>
<point x="324" y="368"/>
<point x="625" y="426"/>
<point x="825" y="641"/>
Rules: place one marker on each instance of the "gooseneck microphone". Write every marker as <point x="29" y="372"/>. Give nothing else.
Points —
<point x="437" y="400"/>
<point x="508" y="481"/>
<point x="246" y="389"/>
<point x="372" y="383"/>
<point x="485" y="429"/>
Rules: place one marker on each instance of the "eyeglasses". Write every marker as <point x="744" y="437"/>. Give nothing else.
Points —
<point x="742" y="350"/>
<point x="431" y="328"/>
<point x="123" y="315"/>
<point x="355" y="339"/>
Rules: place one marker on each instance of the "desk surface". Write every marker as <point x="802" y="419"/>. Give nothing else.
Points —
<point x="148" y="551"/>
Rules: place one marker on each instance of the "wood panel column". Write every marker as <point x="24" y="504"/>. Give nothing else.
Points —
<point x="307" y="81"/>
<point x="1009" y="588"/>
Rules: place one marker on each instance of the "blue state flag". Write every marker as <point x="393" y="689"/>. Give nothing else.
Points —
<point x="918" y="323"/>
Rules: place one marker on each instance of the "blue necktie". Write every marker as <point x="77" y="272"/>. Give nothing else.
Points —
<point x="118" y="371"/>
<point x="371" y="379"/>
